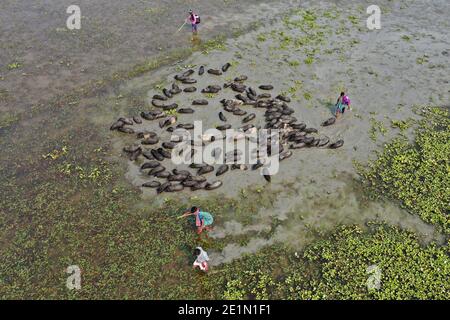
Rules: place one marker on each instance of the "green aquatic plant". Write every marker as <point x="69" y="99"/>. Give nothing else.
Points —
<point x="298" y="84"/>
<point x="154" y="10"/>
<point x="159" y="85"/>
<point x="307" y="96"/>
<point x="234" y="64"/>
<point x="217" y="43"/>
<point x="354" y="20"/>
<point x="406" y="37"/>
<point x="237" y="32"/>
<point x="330" y="15"/>
<point x="306" y="22"/>
<point x="8" y="118"/>
<point x="258" y="285"/>
<point x="339" y="266"/>
<point x="417" y="174"/>
<point x="402" y="124"/>
<point x="14" y="65"/>
<point x="210" y="95"/>
<point x="375" y="128"/>
<point x="139" y="69"/>
<point x="96" y="171"/>
<point x="309" y="60"/>
<point x="285" y="40"/>
<point x="184" y="67"/>
<point x="342" y="30"/>
<point x="421" y="60"/>
<point x="406" y="269"/>
<point x="56" y="153"/>
<point x="171" y="112"/>
<point x="238" y="55"/>
<point x="309" y="16"/>
<point x="261" y="37"/>
<point x="353" y="42"/>
<point x="233" y="291"/>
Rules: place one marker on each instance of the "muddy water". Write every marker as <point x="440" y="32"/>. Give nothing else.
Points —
<point x="385" y="77"/>
<point x="114" y="35"/>
<point x="383" y="73"/>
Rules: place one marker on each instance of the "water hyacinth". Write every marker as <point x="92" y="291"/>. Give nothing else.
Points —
<point x="417" y="174"/>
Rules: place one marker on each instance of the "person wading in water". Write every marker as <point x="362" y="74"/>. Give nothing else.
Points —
<point x="342" y="103"/>
<point x="203" y="220"/>
<point x="194" y="19"/>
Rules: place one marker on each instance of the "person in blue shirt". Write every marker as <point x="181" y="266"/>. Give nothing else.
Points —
<point x="342" y="103"/>
<point x="203" y="220"/>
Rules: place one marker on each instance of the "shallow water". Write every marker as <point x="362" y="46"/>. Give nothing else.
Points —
<point x="316" y="188"/>
<point x="114" y="35"/>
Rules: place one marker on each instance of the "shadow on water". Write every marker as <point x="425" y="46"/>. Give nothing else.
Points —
<point x="329" y="105"/>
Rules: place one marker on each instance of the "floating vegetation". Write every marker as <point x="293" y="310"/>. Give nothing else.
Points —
<point x="402" y="124"/>
<point x="422" y="60"/>
<point x="7" y="119"/>
<point x="353" y="42"/>
<point x="55" y="154"/>
<point x="210" y="95"/>
<point x="307" y="96"/>
<point x="14" y="65"/>
<point x="298" y="84"/>
<point x="217" y="43"/>
<point x="375" y="128"/>
<point x="342" y="262"/>
<point x="285" y="40"/>
<point x="171" y="112"/>
<point x="184" y="67"/>
<point x="237" y="32"/>
<point x="153" y="10"/>
<point x="309" y="60"/>
<point x="417" y="174"/>
<point x="406" y="37"/>
<point x="154" y="63"/>
<point x="261" y="37"/>
<point x="354" y="20"/>
<point x="406" y="270"/>
<point x="4" y="95"/>
<point x="92" y="173"/>
<point x="329" y="15"/>
<point x="259" y="290"/>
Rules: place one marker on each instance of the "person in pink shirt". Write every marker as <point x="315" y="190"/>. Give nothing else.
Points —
<point x="194" y="20"/>
<point x="342" y="103"/>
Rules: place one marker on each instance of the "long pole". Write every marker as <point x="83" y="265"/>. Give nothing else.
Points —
<point x="181" y="27"/>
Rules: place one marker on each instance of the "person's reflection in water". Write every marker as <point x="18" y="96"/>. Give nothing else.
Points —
<point x="196" y="41"/>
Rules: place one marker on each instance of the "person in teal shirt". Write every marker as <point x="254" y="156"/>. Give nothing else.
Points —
<point x="342" y="103"/>
<point x="203" y="220"/>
